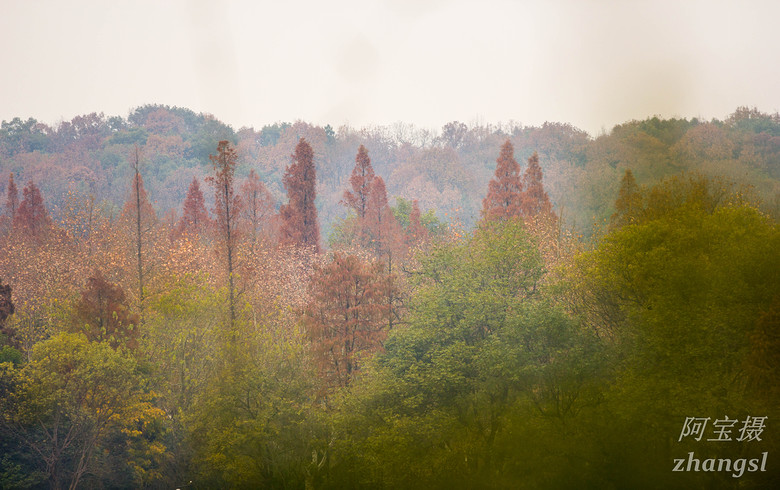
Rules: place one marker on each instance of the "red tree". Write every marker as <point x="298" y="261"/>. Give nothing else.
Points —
<point x="361" y="181"/>
<point x="227" y="206"/>
<point x="348" y="314"/>
<point x="103" y="314"/>
<point x="415" y="231"/>
<point x="503" y="197"/>
<point x="299" y="216"/>
<point x="31" y="216"/>
<point x="533" y="199"/>
<point x="258" y="206"/>
<point x="380" y="227"/>
<point x="195" y="218"/>
<point x="139" y="214"/>
<point x="12" y="199"/>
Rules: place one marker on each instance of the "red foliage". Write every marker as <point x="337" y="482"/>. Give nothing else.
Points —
<point x="103" y="314"/>
<point x="195" y="219"/>
<point x="361" y="181"/>
<point x="382" y="230"/>
<point x="12" y="199"/>
<point x="415" y="232"/>
<point x="31" y="216"/>
<point x="299" y="217"/>
<point x="348" y="315"/>
<point x="258" y="207"/>
<point x="534" y="200"/>
<point x="503" y="197"/>
<point x="138" y="195"/>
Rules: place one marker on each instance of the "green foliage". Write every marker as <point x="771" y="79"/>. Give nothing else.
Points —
<point x="402" y="210"/>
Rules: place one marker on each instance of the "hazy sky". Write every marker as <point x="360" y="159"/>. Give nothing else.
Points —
<point x="591" y="63"/>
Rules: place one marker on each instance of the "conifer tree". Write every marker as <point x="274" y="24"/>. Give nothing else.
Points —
<point x="227" y="206"/>
<point x="534" y="201"/>
<point x="348" y="314"/>
<point x="12" y="199"/>
<point x="415" y="232"/>
<point x="299" y="217"/>
<point x="103" y="314"/>
<point x="258" y="206"/>
<point x="380" y="227"/>
<point x="31" y="216"/>
<point x="628" y="205"/>
<point x="195" y="218"/>
<point x="361" y="181"/>
<point x="139" y="213"/>
<point x="503" y="197"/>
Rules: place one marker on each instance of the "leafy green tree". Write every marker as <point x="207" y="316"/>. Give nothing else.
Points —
<point x="67" y="400"/>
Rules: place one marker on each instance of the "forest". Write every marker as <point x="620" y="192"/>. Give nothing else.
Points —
<point x="186" y="305"/>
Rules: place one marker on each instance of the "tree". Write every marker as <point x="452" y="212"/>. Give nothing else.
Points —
<point x="66" y="402"/>
<point x="103" y="314"/>
<point x="533" y="199"/>
<point x="504" y="190"/>
<point x="299" y="216"/>
<point x="227" y="206"/>
<point x="416" y="232"/>
<point x="258" y="206"/>
<point x="379" y="226"/>
<point x="6" y="310"/>
<point x="12" y="199"/>
<point x="362" y="180"/>
<point x="629" y="202"/>
<point x="31" y="216"/>
<point x="195" y="219"/>
<point x="347" y="315"/>
<point x="139" y="213"/>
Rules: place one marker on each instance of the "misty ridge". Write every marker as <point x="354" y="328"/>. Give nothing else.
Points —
<point x="445" y="170"/>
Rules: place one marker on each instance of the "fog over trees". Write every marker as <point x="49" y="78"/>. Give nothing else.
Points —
<point x="184" y="304"/>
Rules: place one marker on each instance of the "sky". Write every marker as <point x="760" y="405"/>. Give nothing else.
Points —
<point x="591" y="63"/>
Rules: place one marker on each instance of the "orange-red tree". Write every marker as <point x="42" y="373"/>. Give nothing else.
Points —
<point x="415" y="232"/>
<point x="12" y="198"/>
<point x="361" y="181"/>
<point x="227" y="207"/>
<point x="194" y="219"/>
<point x="534" y="200"/>
<point x="379" y="225"/>
<point x="32" y="217"/>
<point x="348" y="314"/>
<point x="103" y="314"/>
<point x="258" y="207"/>
<point x="139" y="214"/>
<point x="504" y="190"/>
<point x="299" y="217"/>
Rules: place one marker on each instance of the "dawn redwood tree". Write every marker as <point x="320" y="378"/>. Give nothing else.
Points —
<point x="504" y="190"/>
<point x="628" y="205"/>
<point x="227" y="207"/>
<point x="12" y="199"/>
<point x="534" y="201"/>
<point x="299" y="217"/>
<point x="31" y="216"/>
<point x="361" y="181"/>
<point x="348" y="314"/>
<point x="103" y="314"/>
<point x="258" y="206"/>
<point x="416" y="232"/>
<point x="195" y="219"/>
<point x="139" y="213"/>
<point x="379" y="224"/>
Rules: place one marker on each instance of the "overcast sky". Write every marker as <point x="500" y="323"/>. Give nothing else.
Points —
<point x="590" y="63"/>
